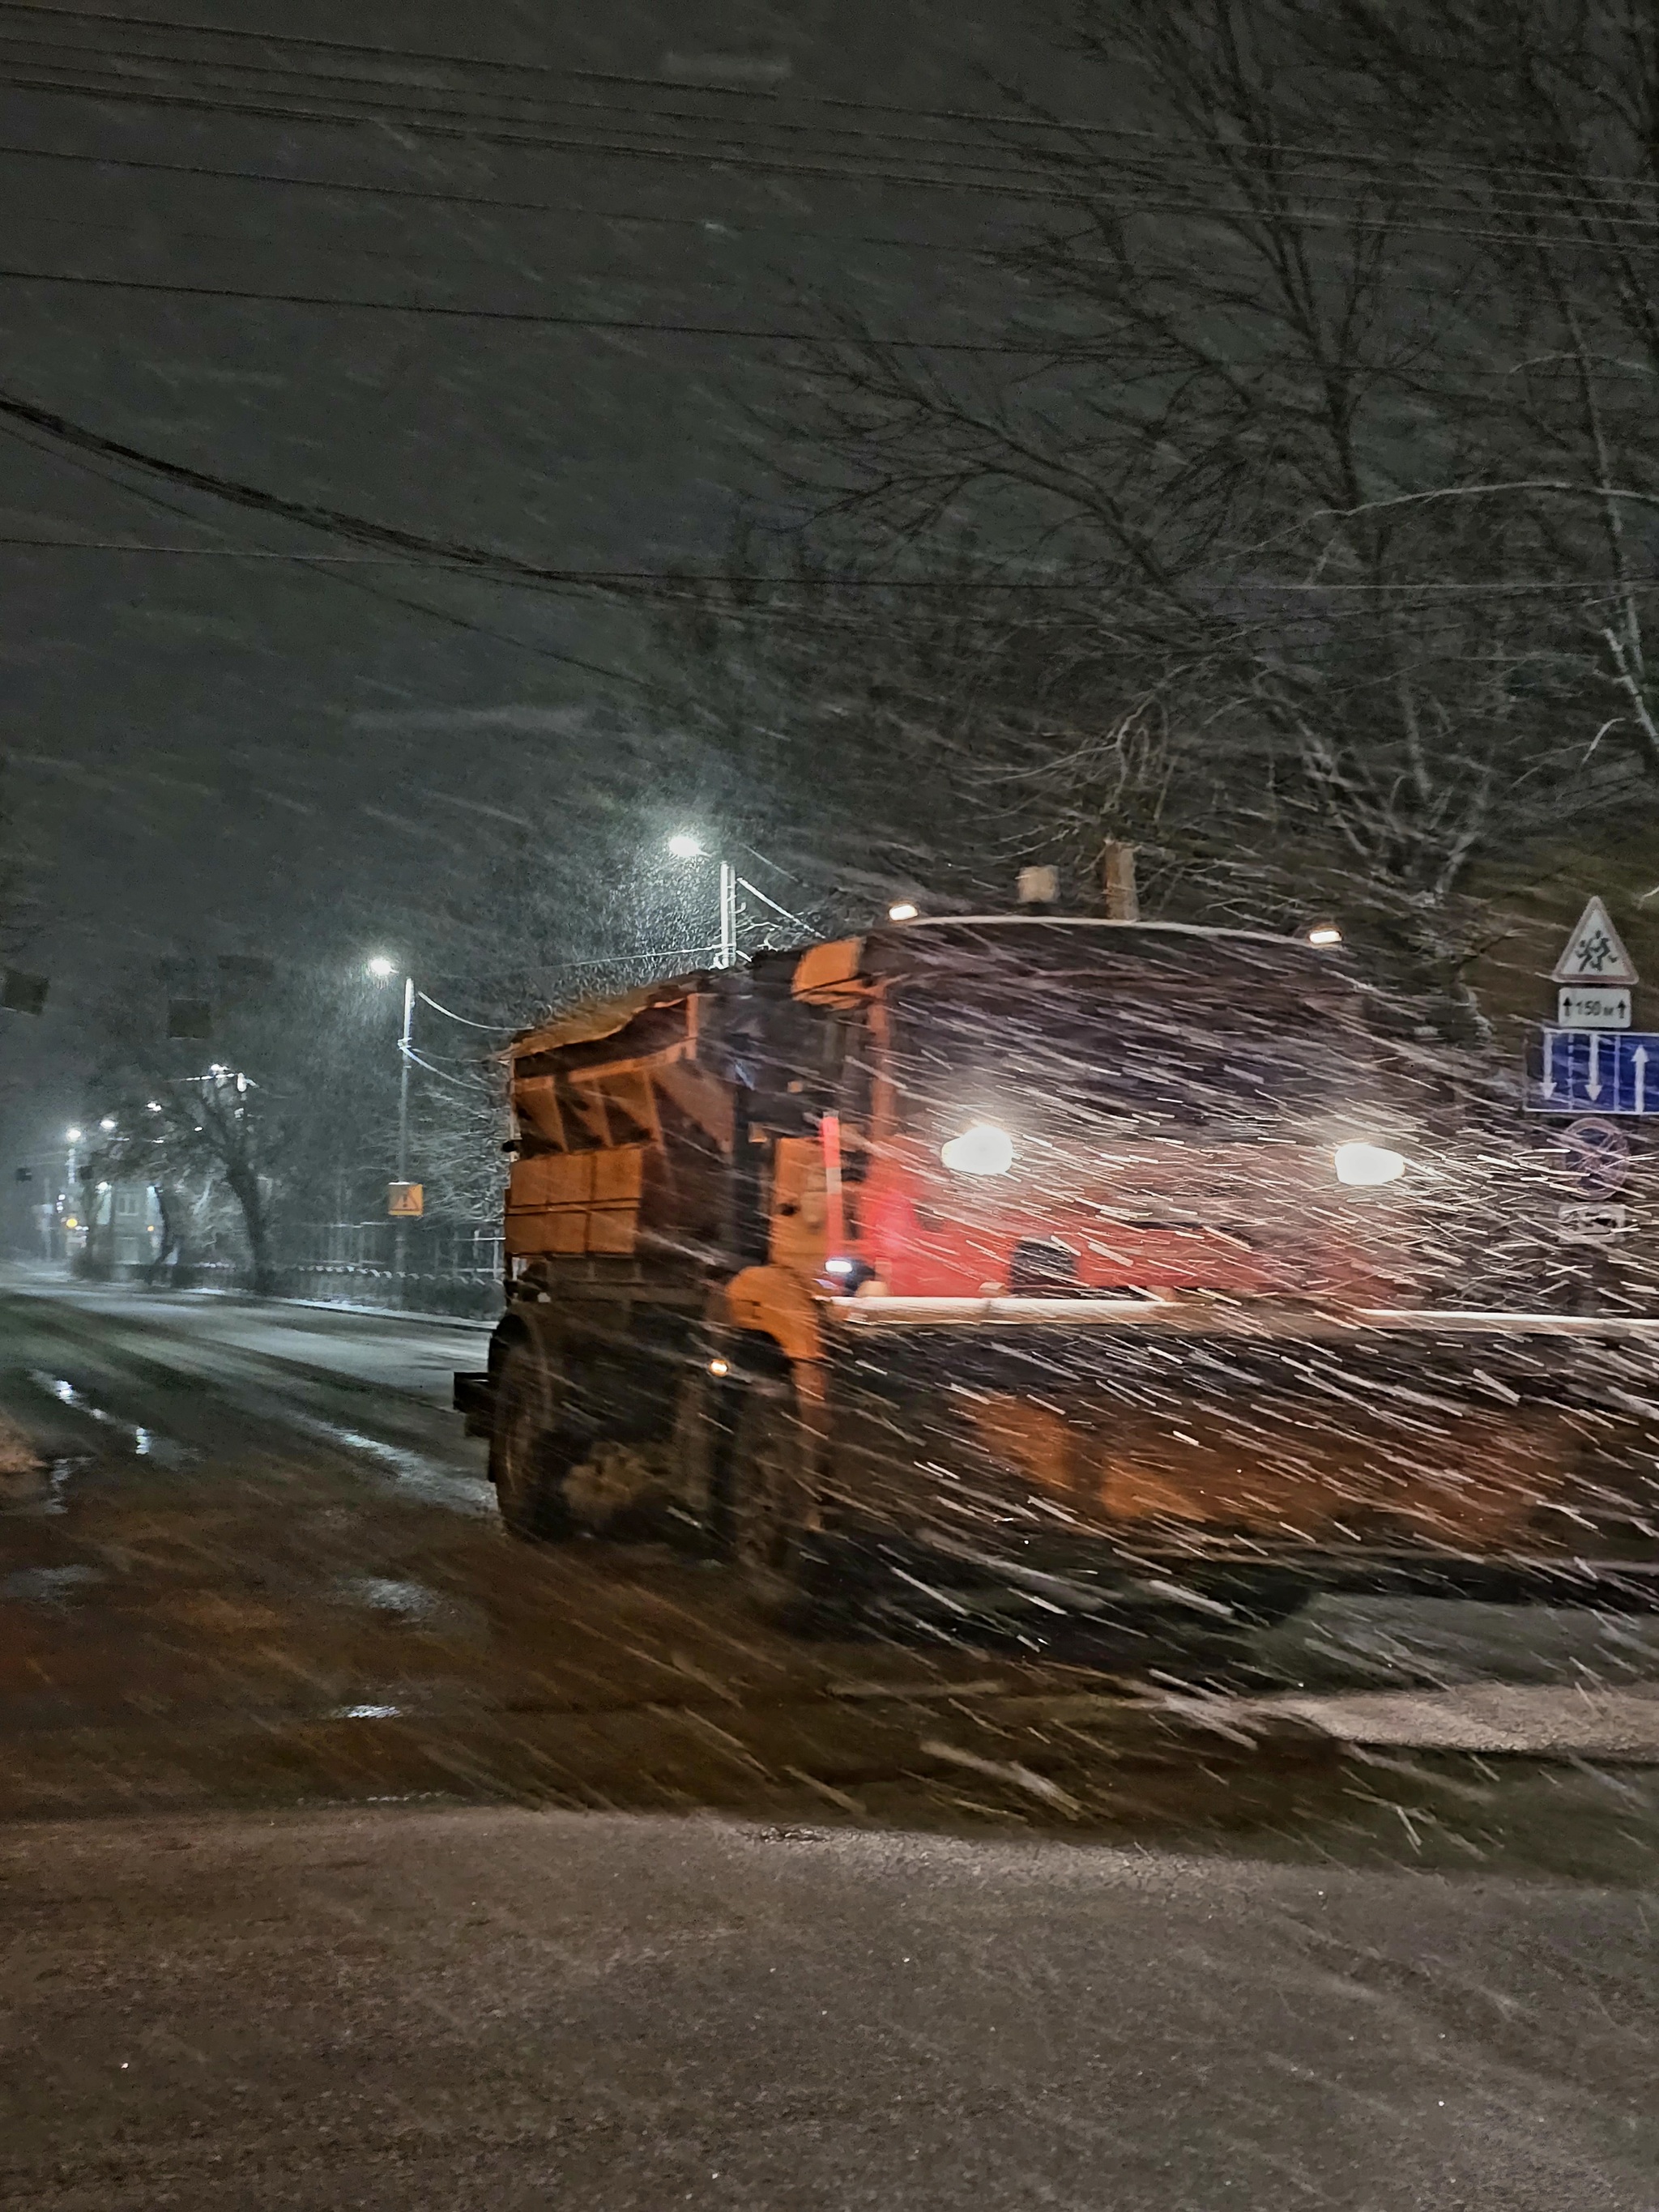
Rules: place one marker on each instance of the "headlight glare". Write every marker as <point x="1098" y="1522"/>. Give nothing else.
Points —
<point x="983" y="1149"/>
<point x="1365" y="1165"/>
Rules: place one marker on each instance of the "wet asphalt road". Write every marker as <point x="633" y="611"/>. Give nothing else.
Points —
<point x="514" y="2009"/>
<point x="399" y="1864"/>
<point x="260" y="1566"/>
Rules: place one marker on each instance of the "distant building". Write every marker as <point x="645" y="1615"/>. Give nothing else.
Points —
<point x="125" y="1228"/>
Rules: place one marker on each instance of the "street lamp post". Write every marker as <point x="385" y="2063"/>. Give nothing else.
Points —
<point x="405" y="1044"/>
<point x="728" y="952"/>
<point x="382" y="968"/>
<point x="72" y="1137"/>
<point x="684" y="847"/>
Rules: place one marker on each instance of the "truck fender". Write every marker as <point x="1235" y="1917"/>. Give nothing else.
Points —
<point x="774" y="1301"/>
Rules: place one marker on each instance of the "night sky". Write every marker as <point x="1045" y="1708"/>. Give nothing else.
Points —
<point x="233" y="754"/>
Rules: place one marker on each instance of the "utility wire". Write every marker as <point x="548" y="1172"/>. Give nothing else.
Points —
<point x="710" y="227"/>
<point x="694" y="578"/>
<point x="755" y="890"/>
<point x="1077" y="193"/>
<point x="497" y="1028"/>
<point x="1065" y="347"/>
<point x="654" y="116"/>
<point x="438" y="196"/>
<point x="330" y="565"/>
<point x="994" y="158"/>
<point x="533" y="318"/>
<point x="1029" y="118"/>
<point x="459" y="1083"/>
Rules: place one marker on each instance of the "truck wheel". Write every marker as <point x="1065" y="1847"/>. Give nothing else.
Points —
<point x="528" y="1458"/>
<point x="768" y="1513"/>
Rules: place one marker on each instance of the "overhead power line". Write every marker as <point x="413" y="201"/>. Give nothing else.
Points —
<point x="1069" y="191"/>
<point x="352" y="187"/>
<point x="436" y="195"/>
<point x="698" y="579"/>
<point x="407" y="95"/>
<point x="1066" y="349"/>
<point x="1523" y="164"/>
<point x="991" y="157"/>
<point x="459" y="557"/>
<point x="537" y="317"/>
<point x="497" y="1028"/>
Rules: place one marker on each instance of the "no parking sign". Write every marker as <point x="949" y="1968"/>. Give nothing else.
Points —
<point x="1596" y="1154"/>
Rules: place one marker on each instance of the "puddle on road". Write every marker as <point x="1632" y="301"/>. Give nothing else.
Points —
<point x="143" y="1442"/>
<point x="415" y="1476"/>
<point x="415" y="1605"/>
<point x="40" y="1490"/>
<point x="409" y="1601"/>
<point x="47" y="1585"/>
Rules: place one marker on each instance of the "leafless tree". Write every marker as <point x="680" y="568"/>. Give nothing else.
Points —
<point x="225" y="1083"/>
<point x="1304" y="534"/>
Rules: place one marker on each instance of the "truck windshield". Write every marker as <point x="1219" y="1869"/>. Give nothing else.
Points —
<point x="1185" y="1033"/>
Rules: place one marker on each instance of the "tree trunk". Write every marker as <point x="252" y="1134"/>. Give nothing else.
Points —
<point x="244" y="1189"/>
<point x="170" y="1251"/>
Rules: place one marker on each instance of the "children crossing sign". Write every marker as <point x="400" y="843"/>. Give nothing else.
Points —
<point x="1595" y="952"/>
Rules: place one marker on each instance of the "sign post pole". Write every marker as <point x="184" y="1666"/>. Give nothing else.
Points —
<point x="1592" y="1065"/>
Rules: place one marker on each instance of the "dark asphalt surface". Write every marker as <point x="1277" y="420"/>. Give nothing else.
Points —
<point x="357" y="1855"/>
<point x="518" y="2009"/>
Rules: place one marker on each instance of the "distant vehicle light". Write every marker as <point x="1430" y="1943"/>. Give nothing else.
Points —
<point x="904" y="911"/>
<point x="1324" y="932"/>
<point x="1363" y="1165"/>
<point x="107" y="1123"/>
<point x="984" y="1150"/>
<point x="720" y="1367"/>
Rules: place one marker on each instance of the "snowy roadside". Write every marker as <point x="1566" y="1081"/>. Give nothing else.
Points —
<point x="27" y="1274"/>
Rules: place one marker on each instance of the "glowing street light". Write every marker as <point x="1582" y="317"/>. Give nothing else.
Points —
<point x="379" y="966"/>
<point x="904" y="910"/>
<point x="108" y="1125"/>
<point x="1324" y="932"/>
<point x="684" y="847"/>
<point x="71" y="1136"/>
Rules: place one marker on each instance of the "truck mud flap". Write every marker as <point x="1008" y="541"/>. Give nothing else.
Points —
<point x="474" y="1399"/>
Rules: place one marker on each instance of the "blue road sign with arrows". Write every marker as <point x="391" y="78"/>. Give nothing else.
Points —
<point x="1593" y="1071"/>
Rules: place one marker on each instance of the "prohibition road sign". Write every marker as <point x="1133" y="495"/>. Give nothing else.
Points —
<point x="1597" y="1155"/>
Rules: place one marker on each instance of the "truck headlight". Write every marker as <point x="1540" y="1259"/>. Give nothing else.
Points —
<point x="1365" y="1165"/>
<point x="983" y="1149"/>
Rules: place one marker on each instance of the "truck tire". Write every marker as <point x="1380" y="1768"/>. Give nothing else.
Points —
<point x="529" y="1459"/>
<point x="768" y="1511"/>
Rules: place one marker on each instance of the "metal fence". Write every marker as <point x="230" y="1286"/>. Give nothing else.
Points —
<point x="435" y="1268"/>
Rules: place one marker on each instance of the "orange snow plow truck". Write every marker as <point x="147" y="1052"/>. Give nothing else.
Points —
<point x="1062" y="1264"/>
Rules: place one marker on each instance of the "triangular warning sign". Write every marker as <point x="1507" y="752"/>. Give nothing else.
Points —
<point x="1595" y="952"/>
